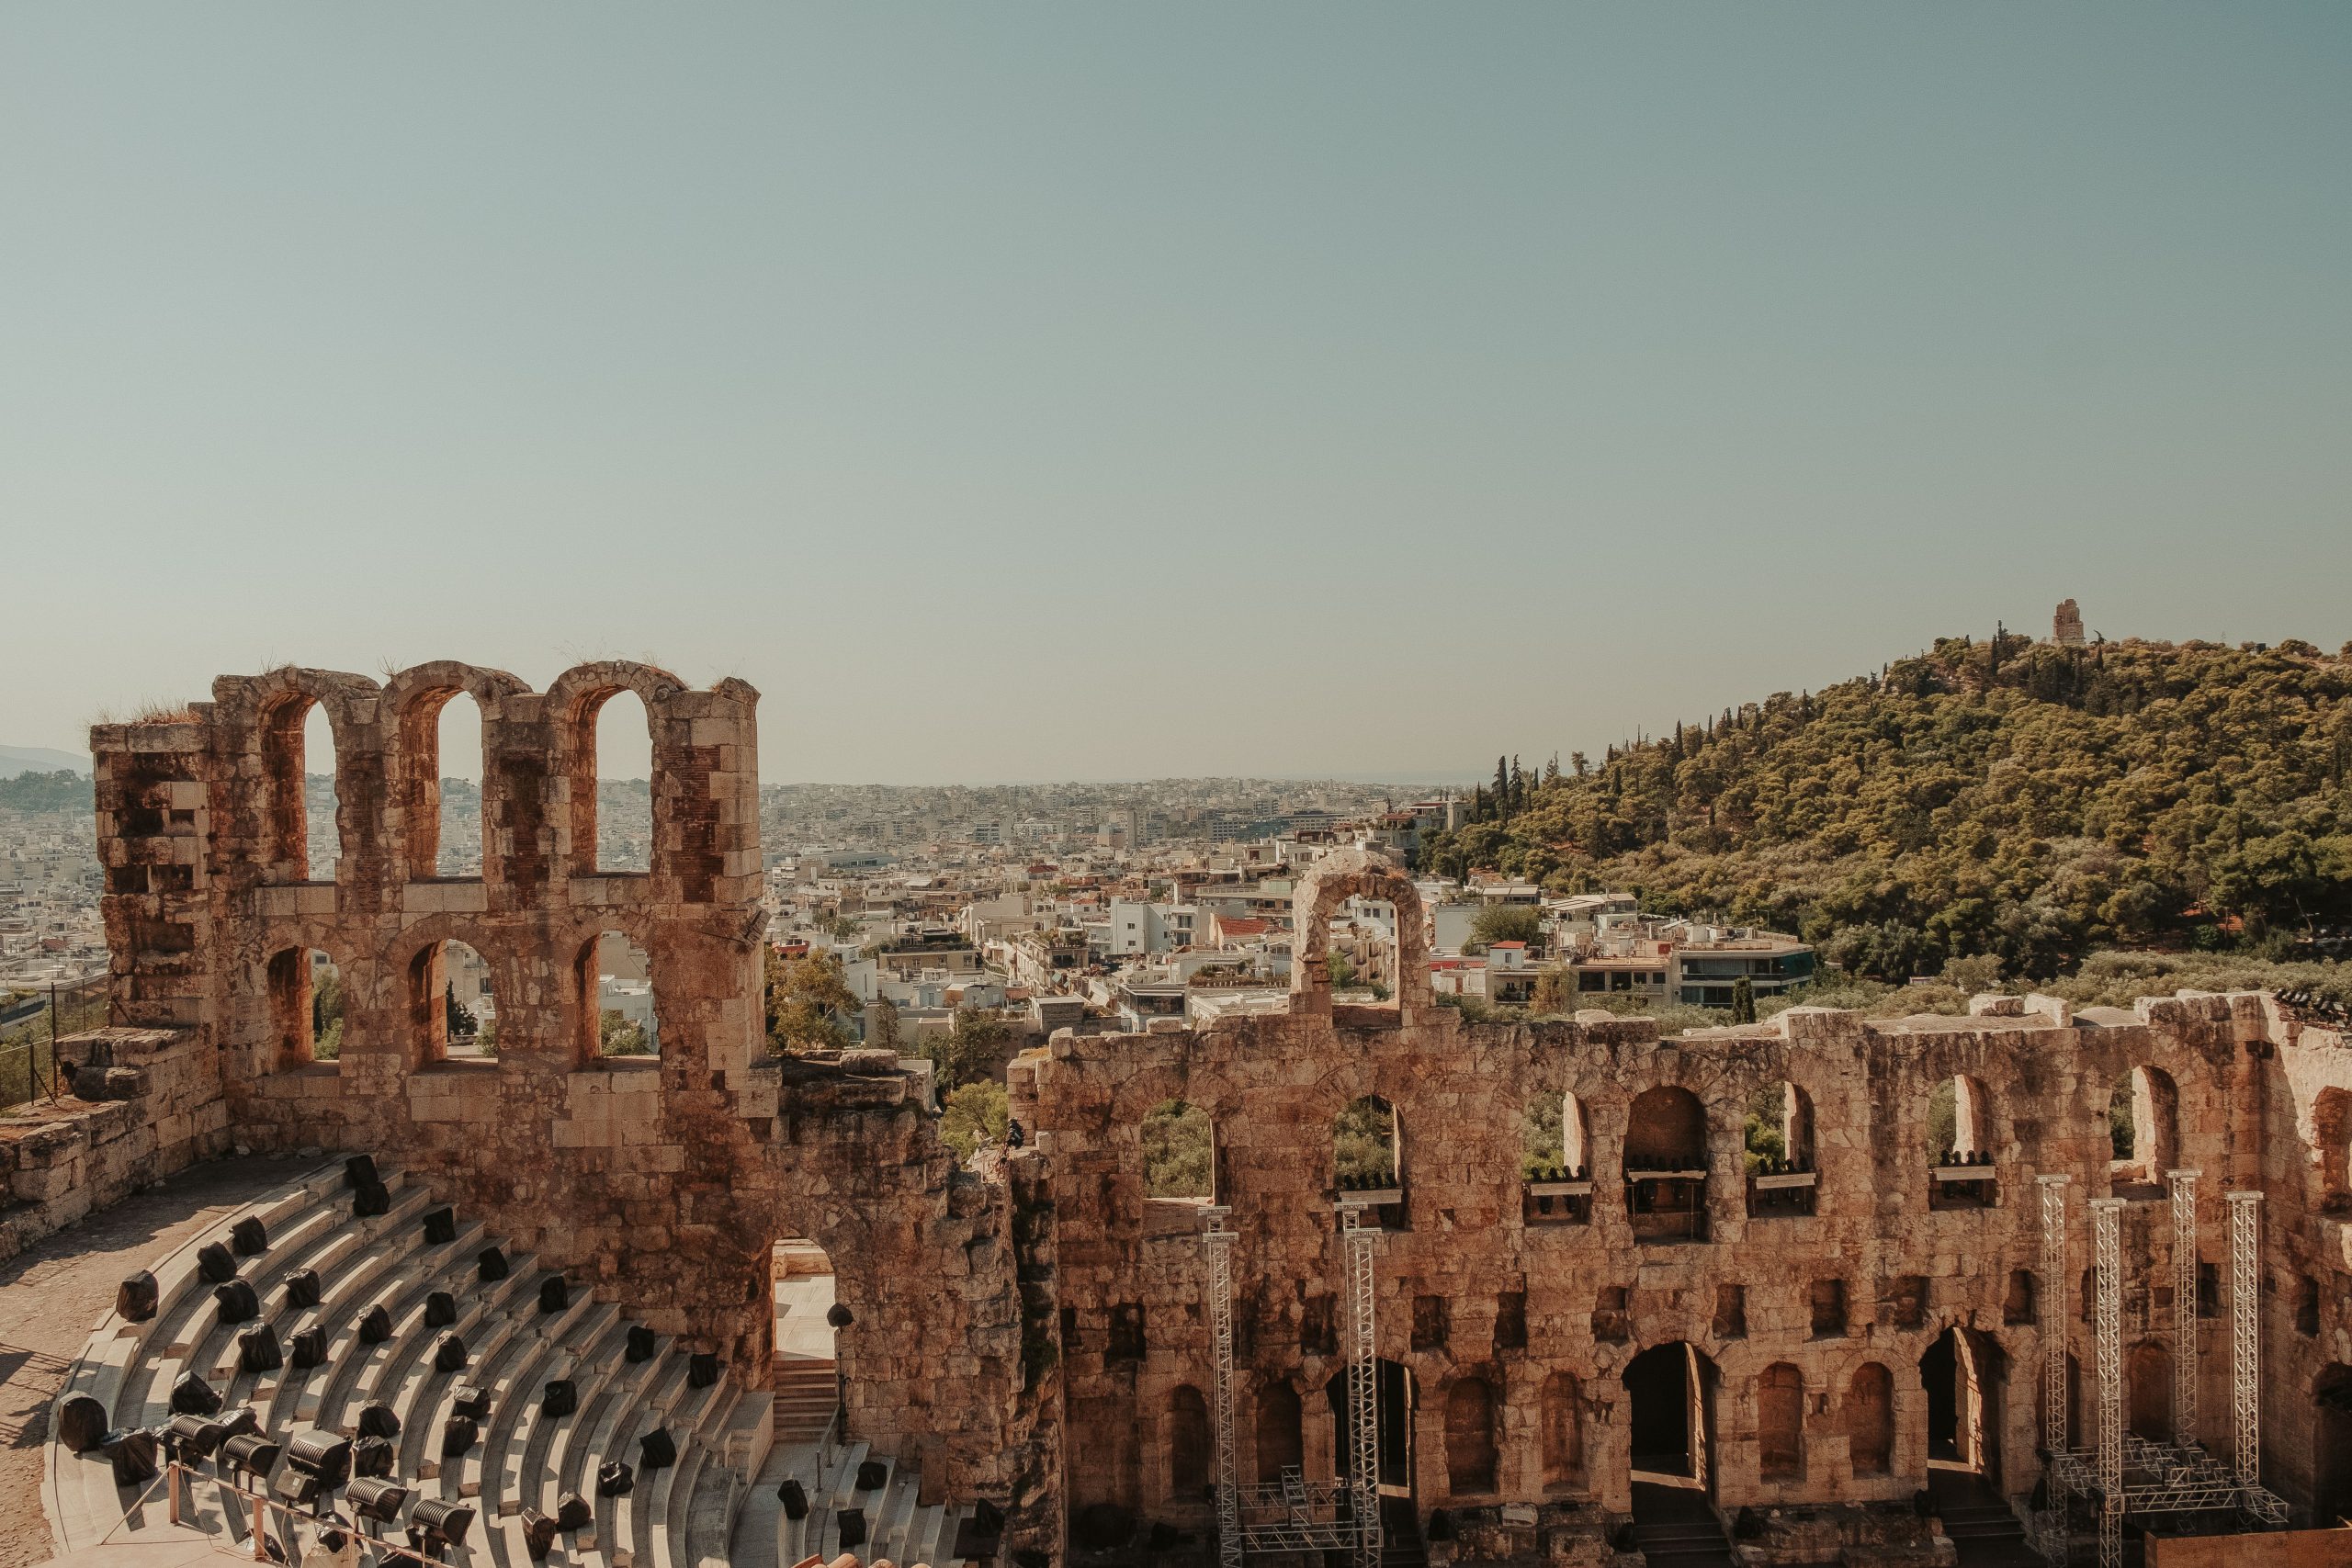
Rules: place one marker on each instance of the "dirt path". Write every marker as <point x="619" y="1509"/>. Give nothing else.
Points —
<point x="51" y="1293"/>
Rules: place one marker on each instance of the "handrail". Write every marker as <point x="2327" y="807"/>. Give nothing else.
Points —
<point x="259" y="1508"/>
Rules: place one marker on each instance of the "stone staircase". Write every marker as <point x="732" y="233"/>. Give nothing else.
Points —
<point x="806" y="1394"/>
<point x="898" y="1525"/>
<point x="1677" y="1528"/>
<point x="1979" y="1522"/>
<point x="433" y="1275"/>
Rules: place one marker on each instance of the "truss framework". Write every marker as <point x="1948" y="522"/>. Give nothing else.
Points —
<point x="1218" y="1242"/>
<point x="1294" y="1515"/>
<point x="2052" y="1526"/>
<point x="2184" y="1304"/>
<point x="2126" y="1475"/>
<point x="1363" y="1375"/>
<point x="2246" y="1337"/>
<point x="2106" y="1255"/>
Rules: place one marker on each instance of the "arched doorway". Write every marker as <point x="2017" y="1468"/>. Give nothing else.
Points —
<point x="1672" y="1390"/>
<point x="1961" y="1374"/>
<point x="806" y="1364"/>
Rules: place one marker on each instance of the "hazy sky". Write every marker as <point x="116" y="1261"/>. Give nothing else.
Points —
<point x="1112" y="391"/>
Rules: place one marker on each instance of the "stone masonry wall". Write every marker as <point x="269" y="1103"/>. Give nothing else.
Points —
<point x="146" y="1102"/>
<point x="663" y="1180"/>
<point x="1469" y="1289"/>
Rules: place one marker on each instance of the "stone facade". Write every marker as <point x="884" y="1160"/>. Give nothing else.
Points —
<point x="1810" y="1329"/>
<point x="664" y="1180"/>
<point x="1034" y="1329"/>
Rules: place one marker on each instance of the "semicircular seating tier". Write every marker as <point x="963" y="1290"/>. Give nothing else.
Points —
<point x="415" y="1312"/>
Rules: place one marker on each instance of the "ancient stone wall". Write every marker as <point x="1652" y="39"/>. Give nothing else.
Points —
<point x="144" y="1104"/>
<point x="663" y="1179"/>
<point x="1810" y="1327"/>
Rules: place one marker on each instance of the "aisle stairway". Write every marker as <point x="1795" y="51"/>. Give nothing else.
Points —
<point x="435" y="1280"/>
<point x="1982" y="1526"/>
<point x="1675" y="1527"/>
<point x="806" y="1393"/>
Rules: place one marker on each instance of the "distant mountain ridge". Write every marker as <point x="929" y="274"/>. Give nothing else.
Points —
<point x="15" y="759"/>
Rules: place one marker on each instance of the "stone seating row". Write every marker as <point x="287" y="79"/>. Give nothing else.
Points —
<point x="455" y="1324"/>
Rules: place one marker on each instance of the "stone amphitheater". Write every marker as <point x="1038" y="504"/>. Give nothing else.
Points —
<point x="709" y="1305"/>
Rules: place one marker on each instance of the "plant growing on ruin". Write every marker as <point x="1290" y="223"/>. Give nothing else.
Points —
<point x="978" y="1116"/>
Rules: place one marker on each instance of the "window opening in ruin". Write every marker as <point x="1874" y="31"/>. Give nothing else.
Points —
<point x="1554" y="1140"/>
<point x="1779" y="1155"/>
<point x="1368" y="1162"/>
<point x="1665" y="1166"/>
<point x="2332" y="1149"/>
<point x="1562" y="1415"/>
<point x="1870" y="1419"/>
<point x="2306" y="1305"/>
<point x="1470" y="1405"/>
<point x="1399" y="1397"/>
<point x="1828" y="1297"/>
<point x="1179" y="1152"/>
<point x="1190" y="1446"/>
<point x="2017" y="1306"/>
<point x="1779" y="1422"/>
<point x="2332" y="1444"/>
<point x="452" y="847"/>
<point x="306" y="1008"/>
<point x="1361" y="961"/>
<point x="452" y="1009"/>
<point x="1960" y="1156"/>
<point x="619" y="1017"/>
<point x="2143" y="1123"/>
<point x="1281" y="1432"/>
<point x="469" y="1002"/>
<point x="2147" y="1391"/>
<point x="1959" y="1374"/>
<point x="1671" y="1389"/>
<point x="305" y="840"/>
<point x="805" y="1299"/>
<point x="619" y="829"/>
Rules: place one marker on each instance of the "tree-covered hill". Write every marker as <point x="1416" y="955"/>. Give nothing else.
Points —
<point x="2023" y="800"/>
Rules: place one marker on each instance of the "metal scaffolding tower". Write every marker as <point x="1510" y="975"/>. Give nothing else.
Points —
<point x="2246" y="1337"/>
<point x="2052" y="1523"/>
<point x="2128" y="1475"/>
<point x="2106" y="1253"/>
<point x="2184" y="1305"/>
<point x="1363" y="1381"/>
<point x="1219" y="1244"/>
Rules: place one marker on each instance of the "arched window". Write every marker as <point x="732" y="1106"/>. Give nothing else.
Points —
<point x="1361" y="958"/>
<point x="612" y="808"/>
<point x="1960" y="1150"/>
<point x="1470" y="1436"/>
<point x="1779" y="1422"/>
<point x="303" y="837"/>
<point x="1870" y="1419"/>
<point x="1554" y="1138"/>
<point x="2144" y="1127"/>
<point x="1189" y="1447"/>
<point x="1282" y="1442"/>
<point x="306" y="1008"/>
<point x="453" y="1009"/>
<point x="1563" y="1416"/>
<point x="1778" y="1157"/>
<point x="1665" y="1166"/>
<point x="1367" y="1149"/>
<point x="617" y="1013"/>
<point x="454" y="848"/>
<point x="1179" y="1152"/>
